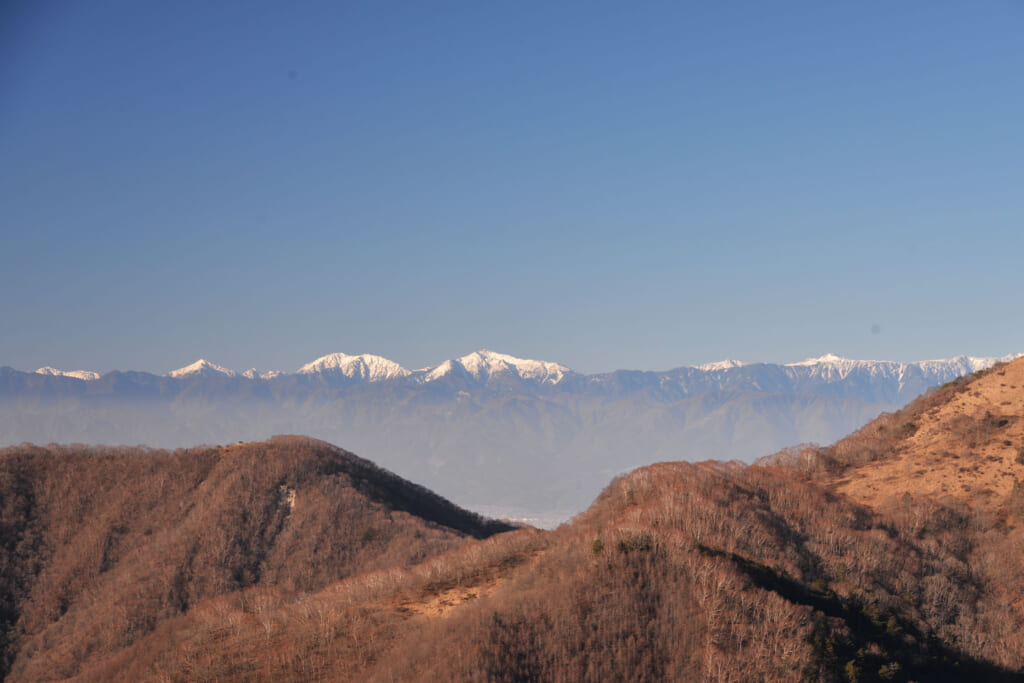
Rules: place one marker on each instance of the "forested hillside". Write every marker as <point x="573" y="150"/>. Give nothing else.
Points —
<point x="101" y="545"/>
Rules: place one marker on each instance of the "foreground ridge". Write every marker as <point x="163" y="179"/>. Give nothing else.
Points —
<point x="103" y="544"/>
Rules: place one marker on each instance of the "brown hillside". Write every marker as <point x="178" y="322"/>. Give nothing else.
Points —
<point x="679" y="571"/>
<point x="100" y="545"/>
<point x="712" y="571"/>
<point x="337" y="633"/>
<point x="967" y="447"/>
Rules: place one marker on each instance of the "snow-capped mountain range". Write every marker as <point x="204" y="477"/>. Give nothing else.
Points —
<point x="365" y="367"/>
<point x="483" y="366"/>
<point x="76" y="374"/>
<point x="480" y="366"/>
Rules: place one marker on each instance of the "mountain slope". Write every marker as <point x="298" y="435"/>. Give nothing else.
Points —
<point x="484" y="366"/>
<point x="101" y="545"/>
<point x="365" y="367"/>
<point x="971" y="447"/>
<point x="202" y="368"/>
<point x="77" y="374"/>
<point x="963" y="442"/>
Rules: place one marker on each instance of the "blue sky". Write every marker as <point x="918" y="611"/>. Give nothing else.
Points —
<point x="261" y="183"/>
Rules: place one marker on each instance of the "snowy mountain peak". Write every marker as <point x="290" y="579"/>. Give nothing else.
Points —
<point x="830" y="358"/>
<point x="203" y="368"/>
<point x="962" y="364"/>
<point x="77" y="374"/>
<point x="438" y="371"/>
<point x="720" y="365"/>
<point x="976" y="364"/>
<point x="365" y="366"/>
<point x="484" y="364"/>
<point x="253" y="373"/>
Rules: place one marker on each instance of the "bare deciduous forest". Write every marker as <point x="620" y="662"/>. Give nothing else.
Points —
<point x="293" y="560"/>
<point x="101" y="545"/>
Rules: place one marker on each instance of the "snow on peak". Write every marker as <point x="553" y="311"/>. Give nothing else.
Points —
<point x="489" y="362"/>
<point x="203" y="368"/>
<point x="365" y="366"/>
<point x="968" y="364"/>
<point x="439" y="371"/>
<point x="721" y="365"/>
<point x="833" y="368"/>
<point x="827" y="358"/>
<point x="484" y="364"/>
<point x="253" y="373"/>
<point x="77" y="374"/>
<point x="976" y="364"/>
<point x="963" y="363"/>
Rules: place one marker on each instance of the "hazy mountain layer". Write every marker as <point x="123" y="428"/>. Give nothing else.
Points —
<point x="521" y="437"/>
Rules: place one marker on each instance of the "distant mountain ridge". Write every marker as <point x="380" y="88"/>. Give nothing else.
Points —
<point x="512" y="436"/>
<point x="484" y="365"/>
<point x="203" y="368"/>
<point x="365" y="367"/>
<point x="77" y="374"/>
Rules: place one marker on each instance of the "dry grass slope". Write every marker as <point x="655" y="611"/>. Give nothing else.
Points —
<point x="966" y="448"/>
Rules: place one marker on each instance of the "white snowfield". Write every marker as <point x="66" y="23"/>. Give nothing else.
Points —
<point x="720" y="365"/>
<point x="365" y="366"/>
<point x="253" y="373"/>
<point x="484" y="365"/>
<point x="77" y="374"/>
<point x="833" y="367"/>
<point x="203" y="368"/>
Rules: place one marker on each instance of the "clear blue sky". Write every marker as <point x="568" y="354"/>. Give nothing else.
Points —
<point x="604" y="185"/>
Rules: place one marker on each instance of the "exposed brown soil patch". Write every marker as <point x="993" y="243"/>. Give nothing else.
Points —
<point x="439" y="602"/>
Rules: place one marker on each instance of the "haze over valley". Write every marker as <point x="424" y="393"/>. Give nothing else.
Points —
<point x="498" y="434"/>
